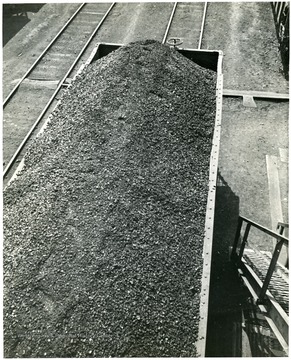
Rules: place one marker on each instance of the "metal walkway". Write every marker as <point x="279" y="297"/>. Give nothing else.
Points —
<point x="267" y="281"/>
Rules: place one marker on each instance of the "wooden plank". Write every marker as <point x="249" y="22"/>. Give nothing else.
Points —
<point x="275" y="201"/>
<point x="274" y="190"/>
<point x="258" y="94"/>
<point x="49" y="84"/>
<point x="94" y="13"/>
<point x="283" y="155"/>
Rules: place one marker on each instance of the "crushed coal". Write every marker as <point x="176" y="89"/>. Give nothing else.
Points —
<point x="104" y="227"/>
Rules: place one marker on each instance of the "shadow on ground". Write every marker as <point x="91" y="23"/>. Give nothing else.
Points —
<point x="15" y="17"/>
<point x="227" y="295"/>
<point x="235" y="326"/>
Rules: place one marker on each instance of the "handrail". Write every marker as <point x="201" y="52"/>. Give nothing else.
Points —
<point x="281" y="227"/>
<point x="281" y="240"/>
<point x="283" y="224"/>
<point x="266" y="230"/>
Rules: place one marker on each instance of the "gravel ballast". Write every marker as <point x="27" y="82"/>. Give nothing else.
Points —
<point x="103" y="230"/>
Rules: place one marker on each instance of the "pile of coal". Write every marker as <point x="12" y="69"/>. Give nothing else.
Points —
<point x="104" y="228"/>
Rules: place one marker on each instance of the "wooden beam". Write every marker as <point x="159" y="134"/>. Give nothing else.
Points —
<point x="274" y="190"/>
<point x="255" y="94"/>
<point x="275" y="200"/>
<point x="283" y="155"/>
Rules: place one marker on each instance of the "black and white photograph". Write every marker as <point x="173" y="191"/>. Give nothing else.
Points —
<point x="145" y="186"/>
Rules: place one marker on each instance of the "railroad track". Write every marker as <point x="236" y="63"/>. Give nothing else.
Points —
<point x="43" y="80"/>
<point x="59" y="62"/>
<point x="187" y="22"/>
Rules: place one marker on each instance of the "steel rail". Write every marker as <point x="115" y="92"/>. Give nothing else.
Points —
<point x="13" y="91"/>
<point x="16" y="154"/>
<point x="169" y="23"/>
<point x="202" y="26"/>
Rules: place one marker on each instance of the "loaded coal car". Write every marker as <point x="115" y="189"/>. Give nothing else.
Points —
<point x="108" y="226"/>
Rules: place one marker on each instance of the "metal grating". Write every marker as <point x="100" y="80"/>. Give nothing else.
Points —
<point x="259" y="261"/>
